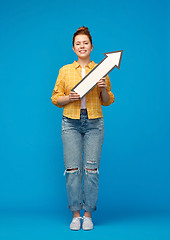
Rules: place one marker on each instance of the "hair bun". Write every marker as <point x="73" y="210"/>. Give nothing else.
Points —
<point x="82" y="28"/>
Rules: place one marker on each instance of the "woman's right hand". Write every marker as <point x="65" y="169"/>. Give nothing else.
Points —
<point x="63" y="100"/>
<point x="73" y="96"/>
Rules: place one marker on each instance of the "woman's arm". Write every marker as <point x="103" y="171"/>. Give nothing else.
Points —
<point x="102" y="85"/>
<point x="59" y="96"/>
<point x="63" y="100"/>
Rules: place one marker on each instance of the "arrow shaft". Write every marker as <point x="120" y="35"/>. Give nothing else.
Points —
<point x="94" y="76"/>
<point x="111" y="60"/>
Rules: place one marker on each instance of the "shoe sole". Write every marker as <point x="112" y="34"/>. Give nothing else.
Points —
<point x="75" y="229"/>
<point x="87" y="229"/>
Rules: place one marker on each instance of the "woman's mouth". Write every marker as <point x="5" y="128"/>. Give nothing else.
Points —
<point x="82" y="51"/>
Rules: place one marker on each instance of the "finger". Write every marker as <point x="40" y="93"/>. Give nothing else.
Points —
<point x="74" y="96"/>
<point x="72" y="92"/>
<point x="101" y="85"/>
<point x="100" y="81"/>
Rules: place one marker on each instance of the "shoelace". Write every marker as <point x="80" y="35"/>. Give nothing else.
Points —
<point x="76" y="218"/>
<point x="83" y="218"/>
<point x="86" y="218"/>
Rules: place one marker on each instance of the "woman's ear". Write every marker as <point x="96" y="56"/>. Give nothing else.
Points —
<point x="73" y="49"/>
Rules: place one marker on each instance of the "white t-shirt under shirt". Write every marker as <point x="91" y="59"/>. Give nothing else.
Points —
<point x="83" y="100"/>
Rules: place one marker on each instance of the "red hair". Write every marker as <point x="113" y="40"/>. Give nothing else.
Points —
<point x="82" y="30"/>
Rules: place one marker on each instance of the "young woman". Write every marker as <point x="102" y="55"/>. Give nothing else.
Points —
<point x="82" y="129"/>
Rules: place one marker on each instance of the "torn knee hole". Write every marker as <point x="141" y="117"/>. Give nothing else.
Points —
<point x="88" y="169"/>
<point x="91" y="162"/>
<point x="71" y="169"/>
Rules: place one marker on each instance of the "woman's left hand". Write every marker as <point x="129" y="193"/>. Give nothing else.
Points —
<point x="101" y="83"/>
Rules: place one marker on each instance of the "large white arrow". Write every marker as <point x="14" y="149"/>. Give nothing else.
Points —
<point x="111" y="61"/>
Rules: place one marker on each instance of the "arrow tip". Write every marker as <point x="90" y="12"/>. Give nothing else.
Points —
<point x="116" y="56"/>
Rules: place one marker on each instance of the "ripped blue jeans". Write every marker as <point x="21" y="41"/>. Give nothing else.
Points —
<point x="82" y="143"/>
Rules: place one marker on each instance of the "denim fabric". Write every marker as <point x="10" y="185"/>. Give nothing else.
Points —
<point x="82" y="138"/>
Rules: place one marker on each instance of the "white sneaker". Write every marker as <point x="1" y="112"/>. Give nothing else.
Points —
<point x="87" y="223"/>
<point x="75" y="224"/>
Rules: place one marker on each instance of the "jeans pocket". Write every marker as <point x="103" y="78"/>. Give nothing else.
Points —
<point x="97" y="123"/>
<point x="67" y="123"/>
<point x="101" y="124"/>
<point x="64" y="119"/>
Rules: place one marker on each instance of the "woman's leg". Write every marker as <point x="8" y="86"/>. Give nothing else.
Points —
<point x="76" y="214"/>
<point x="93" y="140"/>
<point x="72" y="147"/>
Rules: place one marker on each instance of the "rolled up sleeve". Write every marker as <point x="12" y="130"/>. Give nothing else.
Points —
<point x="108" y="89"/>
<point x="59" y="89"/>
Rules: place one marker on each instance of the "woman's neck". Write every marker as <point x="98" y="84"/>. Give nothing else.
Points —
<point x="83" y="62"/>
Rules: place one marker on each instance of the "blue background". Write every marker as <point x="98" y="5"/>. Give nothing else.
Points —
<point x="36" y="41"/>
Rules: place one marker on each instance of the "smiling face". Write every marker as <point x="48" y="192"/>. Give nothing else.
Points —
<point x="82" y="46"/>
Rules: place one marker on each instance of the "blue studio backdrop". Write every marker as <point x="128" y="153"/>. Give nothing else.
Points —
<point x="36" y="41"/>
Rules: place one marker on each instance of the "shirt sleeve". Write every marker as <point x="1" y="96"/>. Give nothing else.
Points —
<point x="59" y="89"/>
<point x="108" y="89"/>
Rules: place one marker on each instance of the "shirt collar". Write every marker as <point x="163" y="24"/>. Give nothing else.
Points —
<point x="90" y="65"/>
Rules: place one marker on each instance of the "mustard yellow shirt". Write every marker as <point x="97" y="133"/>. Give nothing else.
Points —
<point x="69" y="76"/>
